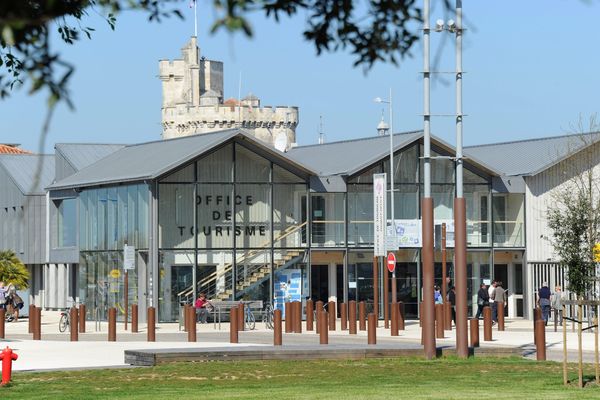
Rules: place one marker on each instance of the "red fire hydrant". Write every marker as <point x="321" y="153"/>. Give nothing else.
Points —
<point x="7" y="356"/>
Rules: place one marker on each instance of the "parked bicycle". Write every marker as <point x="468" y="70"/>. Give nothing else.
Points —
<point x="249" y="320"/>
<point x="65" y="320"/>
<point x="268" y="317"/>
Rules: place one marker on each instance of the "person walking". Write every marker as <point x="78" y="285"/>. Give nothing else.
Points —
<point x="544" y="301"/>
<point x="498" y="296"/>
<point x="483" y="300"/>
<point x="452" y="300"/>
<point x="556" y="304"/>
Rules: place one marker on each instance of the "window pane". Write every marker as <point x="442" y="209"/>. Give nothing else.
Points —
<point x="253" y="215"/>
<point x="217" y="166"/>
<point x="250" y="167"/>
<point x="289" y="222"/>
<point x="214" y="203"/>
<point x="176" y="215"/>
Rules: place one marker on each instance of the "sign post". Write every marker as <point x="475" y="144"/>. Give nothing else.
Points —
<point x="379" y="228"/>
<point x="391" y="262"/>
<point x="128" y="263"/>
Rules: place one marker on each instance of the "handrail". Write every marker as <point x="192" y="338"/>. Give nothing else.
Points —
<point x="216" y="275"/>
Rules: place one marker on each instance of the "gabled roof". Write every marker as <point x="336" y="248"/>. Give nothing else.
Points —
<point x="23" y="169"/>
<point x="12" y="149"/>
<point x="349" y="157"/>
<point x="146" y="161"/>
<point x="80" y="155"/>
<point x="532" y="156"/>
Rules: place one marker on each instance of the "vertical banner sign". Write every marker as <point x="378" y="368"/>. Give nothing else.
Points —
<point x="128" y="257"/>
<point x="380" y="215"/>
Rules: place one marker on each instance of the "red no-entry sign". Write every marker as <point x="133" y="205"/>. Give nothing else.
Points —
<point x="391" y="262"/>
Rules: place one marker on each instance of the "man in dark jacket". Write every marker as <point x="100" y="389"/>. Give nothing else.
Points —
<point x="452" y="299"/>
<point x="544" y="301"/>
<point x="483" y="299"/>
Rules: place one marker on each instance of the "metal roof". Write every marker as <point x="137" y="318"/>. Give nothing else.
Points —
<point x="80" y="155"/>
<point x="532" y="156"/>
<point x="150" y="160"/>
<point x="23" y="170"/>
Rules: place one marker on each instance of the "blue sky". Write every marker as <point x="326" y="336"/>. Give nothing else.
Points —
<point x="531" y="72"/>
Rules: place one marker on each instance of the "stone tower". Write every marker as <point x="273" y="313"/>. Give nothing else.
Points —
<point x="193" y="103"/>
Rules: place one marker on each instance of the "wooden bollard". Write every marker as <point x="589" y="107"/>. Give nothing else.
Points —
<point x="134" y="318"/>
<point x="298" y="316"/>
<point x="31" y="318"/>
<point x="81" y="314"/>
<point x="447" y="316"/>
<point x="474" y="330"/>
<point x="487" y="324"/>
<point x="277" y="336"/>
<point x="318" y="310"/>
<point x="372" y="334"/>
<point x="394" y="319"/>
<point x="310" y="309"/>
<point x="151" y="334"/>
<point x="233" y="322"/>
<point x="501" y="316"/>
<point x="112" y="324"/>
<point x="537" y="314"/>
<point x="323" y="331"/>
<point x="344" y="316"/>
<point x="540" y="340"/>
<point x="352" y="317"/>
<point x="439" y="321"/>
<point x="401" y="324"/>
<point x="192" y="325"/>
<point x="37" y="328"/>
<point x="3" y="322"/>
<point x="288" y="317"/>
<point x="241" y="316"/>
<point x="73" y="324"/>
<point x="362" y="317"/>
<point x="185" y="317"/>
<point x="332" y="313"/>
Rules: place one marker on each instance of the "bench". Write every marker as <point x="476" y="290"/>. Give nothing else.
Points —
<point x="220" y="307"/>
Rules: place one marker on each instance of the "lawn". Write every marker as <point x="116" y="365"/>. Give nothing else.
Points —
<point x="406" y="378"/>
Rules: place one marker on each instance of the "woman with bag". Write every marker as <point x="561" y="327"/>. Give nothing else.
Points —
<point x="483" y="300"/>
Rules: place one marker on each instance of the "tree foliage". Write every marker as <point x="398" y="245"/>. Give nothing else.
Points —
<point x="12" y="270"/>
<point x="373" y="30"/>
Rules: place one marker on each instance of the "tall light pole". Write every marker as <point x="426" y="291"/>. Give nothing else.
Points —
<point x="427" y="202"/>
<point x="390" y="104"/>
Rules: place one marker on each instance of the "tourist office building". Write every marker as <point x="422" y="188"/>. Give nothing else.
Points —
<point x="227" y="215"/>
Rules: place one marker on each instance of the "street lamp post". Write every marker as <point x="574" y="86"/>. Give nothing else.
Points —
<point x="390" y="104"/>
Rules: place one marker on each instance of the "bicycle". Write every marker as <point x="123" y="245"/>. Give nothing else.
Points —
<point x="249" y="320"/>
<point x="268" y="317"/>
<point x="65" y="320"/>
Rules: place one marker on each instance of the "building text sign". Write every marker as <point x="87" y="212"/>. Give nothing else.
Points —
<point x="379" y="211"/>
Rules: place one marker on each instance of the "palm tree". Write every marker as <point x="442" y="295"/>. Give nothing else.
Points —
<point x="12" y="270"/>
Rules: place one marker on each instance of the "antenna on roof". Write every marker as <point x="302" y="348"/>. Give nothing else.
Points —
<point x="321" y="133"/>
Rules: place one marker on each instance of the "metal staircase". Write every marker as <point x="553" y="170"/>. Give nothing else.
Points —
<point x="255" y="270"/>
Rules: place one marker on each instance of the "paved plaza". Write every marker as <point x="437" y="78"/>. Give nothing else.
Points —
<point x="55" y="351"/>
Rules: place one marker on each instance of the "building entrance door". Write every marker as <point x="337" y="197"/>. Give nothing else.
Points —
<point x="501" y="274"/>
<point x="327" y="279"/>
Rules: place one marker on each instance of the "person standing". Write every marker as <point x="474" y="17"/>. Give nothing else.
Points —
<point x="452" y="300"/>
<point x="498" y="296"/>
<point x="544" y="301"/>
<point x="556" y="303"/>
<point x="483" y="299"/>
<point x="3" y="291"/>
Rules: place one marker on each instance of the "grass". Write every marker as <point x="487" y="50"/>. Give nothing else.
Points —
<point x="407" y="378"/>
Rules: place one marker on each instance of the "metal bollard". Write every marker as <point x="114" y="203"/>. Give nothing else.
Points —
<point x="134" y="318"/>
<point x="401" y="325"/>
<point x="394" y="319"/>
<point x="362" y="317"/>
<point x="474" y="329"/>
<point x="73" y="325"/>
<point x="82" y="316"/>
<point x="192" y="325"/>
<point x="233" y="322"/>
<point x="288" y="317"/>
<point x="277" y="336"/>
<point x="31" y="317"/>
<point x="112" y="324"/>
<point x="298" y="316"/>
<point x="439" y="321"/>
<point x="318" y="310"/>
<point x="37" y="328"/>
<point x="344" y="316"/>
<point x="352" y="317"/>
<point x="487" y="324"/>
<point x="501" y="316"/>
<point x="323" y="332"/>
<point x="447" y="316"/>
<point x="332" y="313"/>
<point x="3" y="321"/>
<point x="185" y="317"/>
<point x="372" y="334"/>
<point x="241" y="316"/>
<point x="310" y="309"/>
<point x="540" y="340"/>
<point x="151" y="334"/>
